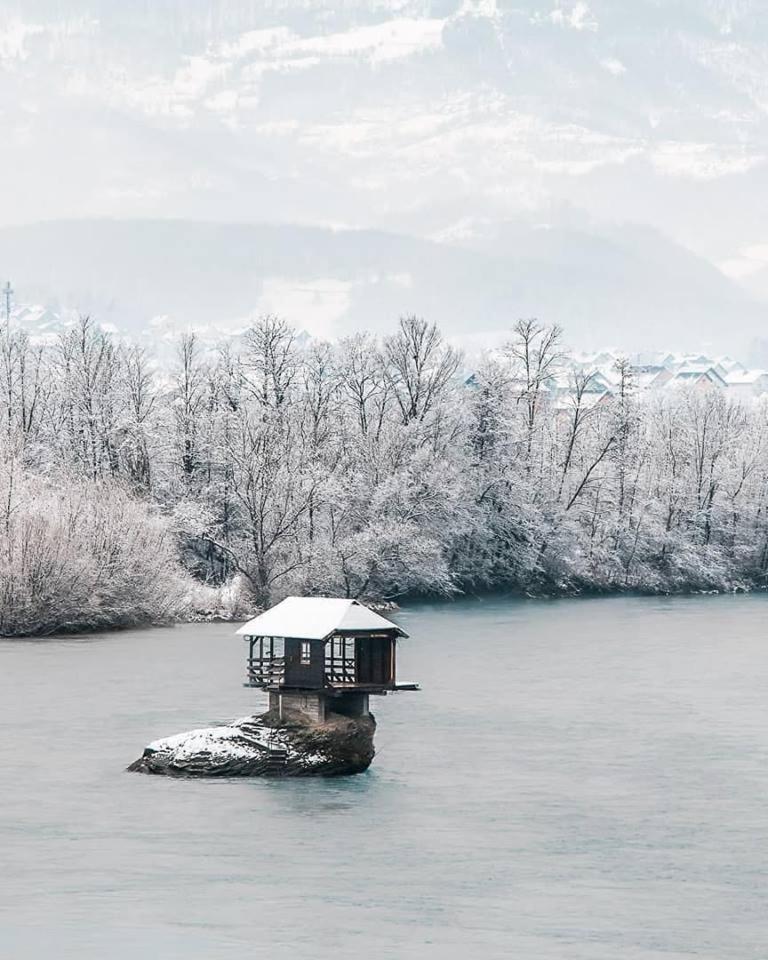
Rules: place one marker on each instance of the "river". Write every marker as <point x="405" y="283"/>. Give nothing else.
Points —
<point x="577" y="779"/>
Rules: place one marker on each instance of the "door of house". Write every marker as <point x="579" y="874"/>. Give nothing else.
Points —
<point x="374" y="660"/>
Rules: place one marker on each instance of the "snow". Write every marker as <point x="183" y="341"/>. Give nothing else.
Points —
<point x="315" y="618"/>
<point x="244" y="740"/>
<point x="747" y="377"/>
<point x="370" y="476"/>
<point x="219" y="741"/>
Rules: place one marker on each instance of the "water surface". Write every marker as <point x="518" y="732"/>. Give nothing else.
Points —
<point x="577" y="779"/>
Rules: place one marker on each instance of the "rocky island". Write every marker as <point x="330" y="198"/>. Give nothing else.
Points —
<point x="268" y="745"/>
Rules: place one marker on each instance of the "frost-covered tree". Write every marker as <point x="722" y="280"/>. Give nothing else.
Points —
<point x="368" y="467"/>
<point x="82" y="554"/>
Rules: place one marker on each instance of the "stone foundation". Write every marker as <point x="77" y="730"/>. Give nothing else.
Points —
<point x="318" y="706"/>
<point x="312" y="705"/>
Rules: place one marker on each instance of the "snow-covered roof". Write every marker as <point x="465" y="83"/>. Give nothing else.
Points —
<point x="730" y="365"/>
<point x="747" y="377"/>
<point x="316" y="618"/>
<point x="696" y="373"/>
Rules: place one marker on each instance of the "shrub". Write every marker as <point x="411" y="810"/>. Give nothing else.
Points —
<point x="82" y="555"/>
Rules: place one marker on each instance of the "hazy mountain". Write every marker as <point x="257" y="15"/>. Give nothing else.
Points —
<point x="402" y="115"/>
<point x="629" y="287"/>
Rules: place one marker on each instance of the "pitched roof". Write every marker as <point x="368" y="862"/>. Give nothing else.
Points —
<point x="747" y="377"/>
<point x="316" y="618"/>
<point x="695" y="372"/>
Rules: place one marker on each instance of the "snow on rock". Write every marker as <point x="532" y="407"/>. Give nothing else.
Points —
<point x="265" y="746"/>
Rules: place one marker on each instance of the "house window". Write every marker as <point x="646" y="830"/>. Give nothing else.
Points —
<point x="306" y="652"/>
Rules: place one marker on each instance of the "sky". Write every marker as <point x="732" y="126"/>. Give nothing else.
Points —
<point x="436" y="118"/>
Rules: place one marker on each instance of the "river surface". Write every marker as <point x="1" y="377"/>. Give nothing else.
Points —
<point x="577" y="779"/>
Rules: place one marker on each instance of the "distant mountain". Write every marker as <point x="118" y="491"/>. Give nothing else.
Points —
<point x="627" y="287"/>
<point x="380" y="113"/>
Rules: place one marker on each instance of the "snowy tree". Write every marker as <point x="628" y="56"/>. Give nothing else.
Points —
<point x="79" y="554"/>
<point x="367" y="467"/>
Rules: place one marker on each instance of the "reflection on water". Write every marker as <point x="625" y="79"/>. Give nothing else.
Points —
<point x="577" y="779"/>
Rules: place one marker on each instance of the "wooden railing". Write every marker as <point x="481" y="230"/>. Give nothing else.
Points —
<point x="265" y="671"/>
<point x="268" y="671"/>
<point x="340" y="670"/>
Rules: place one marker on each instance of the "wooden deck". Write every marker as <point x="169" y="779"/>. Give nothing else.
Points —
<point x="269" y="672"/>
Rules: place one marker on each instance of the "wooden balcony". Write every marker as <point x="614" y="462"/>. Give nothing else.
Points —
<point x="340" y="673"/>
<point x="341" y="664"/>
<point x="265" y="671"/>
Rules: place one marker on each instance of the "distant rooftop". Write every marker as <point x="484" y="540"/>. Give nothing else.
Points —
<point x="696" y="374"/>
<point x="749" y="377"/>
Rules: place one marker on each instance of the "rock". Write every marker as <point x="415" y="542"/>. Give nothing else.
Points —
<point x="265" y="746"/>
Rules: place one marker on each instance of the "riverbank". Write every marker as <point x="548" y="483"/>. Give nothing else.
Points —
<point x="233" y="608"/>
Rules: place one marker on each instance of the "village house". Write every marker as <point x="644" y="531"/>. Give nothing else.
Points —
<point x="747" y="384"/>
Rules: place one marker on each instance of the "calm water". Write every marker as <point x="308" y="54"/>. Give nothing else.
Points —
<point x="577" y="779"/>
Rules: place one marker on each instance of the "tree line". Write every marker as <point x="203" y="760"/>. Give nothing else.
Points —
<point x="133" y="491"/>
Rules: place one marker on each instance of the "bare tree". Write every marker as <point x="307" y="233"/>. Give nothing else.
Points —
<point x="87" y="368"/>
<point x="189" y="402"/>
<point x="579" y="414"/>
<point x="26" y="385"/>
<point x="141" y="403"/>
<point x="274" y="491"/>
<point x="420" y="366"/>
<point x="363" y="382"/>
<point x="270" y="363"/>
<point x="536" y="353"/>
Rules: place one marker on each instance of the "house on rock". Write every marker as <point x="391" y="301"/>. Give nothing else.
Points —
<point x="320" y="655"/>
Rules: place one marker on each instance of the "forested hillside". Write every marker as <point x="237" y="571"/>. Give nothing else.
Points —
<point x="365" y="467"/>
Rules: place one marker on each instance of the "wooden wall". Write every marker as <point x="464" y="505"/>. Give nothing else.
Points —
<point x="310" y="676"/>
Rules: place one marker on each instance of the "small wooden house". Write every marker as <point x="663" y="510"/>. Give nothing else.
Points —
<point x="320" y="654"/>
